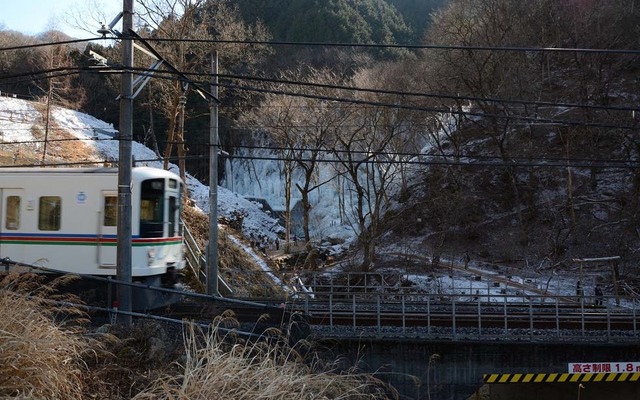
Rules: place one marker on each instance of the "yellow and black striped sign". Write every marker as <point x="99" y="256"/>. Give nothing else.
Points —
<point x="561" y="378"/>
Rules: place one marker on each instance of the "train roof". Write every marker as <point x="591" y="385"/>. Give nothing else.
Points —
<point x="50" y="170"/>
<point x="141" y="172"/>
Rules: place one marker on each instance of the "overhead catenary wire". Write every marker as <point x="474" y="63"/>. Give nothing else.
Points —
<point x="117" y="69"/>
<point x="75" y="70"/>
<point x="397" y="156"/>
<point x="403" y="46"/>
<point x="46" y="44"/>
<point x="423" y="159"/>
<point x="393" y="156"/>
<point x="342" y="44"/>
<point x="535" y="119"/>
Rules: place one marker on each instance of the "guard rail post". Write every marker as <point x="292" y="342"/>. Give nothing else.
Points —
<point x="506" y="325"/>
<point x="378" y="312"/>
<point x="453" y="317"/>
<point x="353" y="297"/>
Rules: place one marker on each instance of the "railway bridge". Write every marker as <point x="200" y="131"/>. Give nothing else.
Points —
<point x="477" y="338"/>
<point x="499" y="369"/>
<point x="484" y="345"/>
<point x="452" y="345"/>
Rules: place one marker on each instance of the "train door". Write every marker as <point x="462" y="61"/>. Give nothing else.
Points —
<point x="174" y="193"/>
<point x="107" y="232"/>
<point x="12" y="206"/>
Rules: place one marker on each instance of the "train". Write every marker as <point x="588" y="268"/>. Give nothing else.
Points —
<point x="65" y="219"/>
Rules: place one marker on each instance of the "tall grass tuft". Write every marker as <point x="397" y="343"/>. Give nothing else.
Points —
<point x="38" y="358"/>
<point x="225" y="367"/>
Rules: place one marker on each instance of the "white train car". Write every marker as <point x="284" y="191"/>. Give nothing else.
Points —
<point x="65" y="219"/>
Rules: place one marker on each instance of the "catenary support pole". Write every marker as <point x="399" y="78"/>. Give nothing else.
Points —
<point x="212" y="247"/>
<point x="124" y="293"/>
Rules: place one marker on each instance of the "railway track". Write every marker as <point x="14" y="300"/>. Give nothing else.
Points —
<point x="398" y="316"/>
<point x="480" y="319"/>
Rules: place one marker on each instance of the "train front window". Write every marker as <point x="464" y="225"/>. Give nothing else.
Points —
<point x="12" y="217"/>
<point x="49" y="213"/>
<point x="152" y="208"/>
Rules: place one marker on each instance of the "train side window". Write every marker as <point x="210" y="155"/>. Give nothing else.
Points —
<point x="110" y="211"/>
<point x="12" y="217"/>
<point x="49" y="213"/>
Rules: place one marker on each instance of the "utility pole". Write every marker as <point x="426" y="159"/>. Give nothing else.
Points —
<point x="46" y="127"/>
<point x="123" y="292"/>
<point x="212" y="247"/>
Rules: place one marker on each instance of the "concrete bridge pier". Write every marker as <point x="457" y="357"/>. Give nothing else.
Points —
<point x="553" y="391"/>
<point x="447" y="370"/>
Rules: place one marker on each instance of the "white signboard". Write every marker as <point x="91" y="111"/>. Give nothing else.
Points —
<point x="603" y="367"/>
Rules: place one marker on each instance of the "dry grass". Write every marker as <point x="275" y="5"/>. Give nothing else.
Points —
<point x="225" y="367"/>
<point x="236" y="266"/>
<point x="46" y="354"/>
<point x="39" y="359"/>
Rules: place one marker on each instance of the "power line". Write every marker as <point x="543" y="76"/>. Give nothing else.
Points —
<point x="45" y="44"/>
<point x="48" y="74"/>
<point x="339" y="44"/>
<point x="389" y="154"/>
<point x="92" y="139"/>
<point x="541" y="163"/>
<point x="159" y="74"/>
<point x="395" y="154"/>
<point x="182" y="76"/>
<point x="412" y="94"/>
<point x="428" y="95"/>
<point x="404" y="46"/>
<point x="428" y="109"/>
<point x="393" y="157"/>
<point x="439" y="110"/>
<point x="444" y="162"/>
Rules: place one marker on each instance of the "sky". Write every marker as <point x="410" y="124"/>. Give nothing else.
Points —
<point x="35" y="16"/>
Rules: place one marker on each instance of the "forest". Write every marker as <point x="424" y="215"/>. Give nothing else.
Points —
<point x="529" y="110"/>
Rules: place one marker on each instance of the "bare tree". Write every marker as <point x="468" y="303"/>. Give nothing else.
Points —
<point x="299" y="126"/>
<point x="194" y="19"/>
<point x="61" y="89"/>
<point x="360" y="149"/>
<point x="487" y="75"/>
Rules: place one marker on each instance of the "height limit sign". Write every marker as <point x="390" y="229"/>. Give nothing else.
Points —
<point x="604" y="367"/>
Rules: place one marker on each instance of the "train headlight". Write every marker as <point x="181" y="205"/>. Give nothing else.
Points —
<point x="151" y="256"/>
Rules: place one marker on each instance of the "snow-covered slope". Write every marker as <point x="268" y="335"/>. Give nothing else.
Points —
<point x="19" y="118"/>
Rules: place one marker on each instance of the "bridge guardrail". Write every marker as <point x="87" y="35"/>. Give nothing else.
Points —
<point x="196" y="261"/>
<point x="473" y="317"/>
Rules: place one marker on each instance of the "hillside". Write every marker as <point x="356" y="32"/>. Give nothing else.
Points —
<point x="75" y="138"/>
<point x="511" y="136"/>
